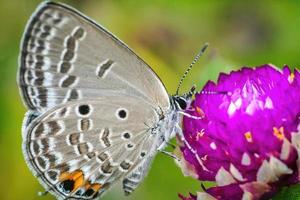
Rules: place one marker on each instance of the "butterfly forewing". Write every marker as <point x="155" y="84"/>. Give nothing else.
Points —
<point x="66" y="56"/>
<point x="81" y="148"/>
<point x="94" y="106"/>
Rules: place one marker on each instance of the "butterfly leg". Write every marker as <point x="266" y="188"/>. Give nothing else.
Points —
<point x="182" y="138"/>
<point x="190" y="116"/>
<point x="171" y="145"/>
<point x="169" y="154"/>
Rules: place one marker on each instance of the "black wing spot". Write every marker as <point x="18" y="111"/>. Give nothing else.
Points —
<point x="143" y="154"/>
<point x="78" y="33"/>
<point x="106" y="167"/>
<point x="102" y="156"/>
<point x="67" y="185"/>
<point x="84" y="109"/>
<point x="104" y="67"/>
<point x="126" y="135"/>
<point x="122" y="114"/>
<point x="130" y="146"/>
<point x="125" y="165"/>
<point x="89" y="192"/>
<point x="68" y="81"/>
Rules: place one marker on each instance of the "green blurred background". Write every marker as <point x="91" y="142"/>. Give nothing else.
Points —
<point x="166" y="34"/>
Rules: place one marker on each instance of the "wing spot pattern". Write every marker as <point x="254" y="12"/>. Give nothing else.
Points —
<point x="41" y="163"/>
<point x="122" y="114"/>
<point x="68" y="81"/>
<point x="78" y="33"/>
<point x="104" y="137"/>
<point x="38" y="131"/>
<point x="125" y="165"/>
<point x="84" y="124"/>
<point x="103" y="68"/>
<point x="52" y="175"/>
<point x="55" y="127"/>
<point x="73" y="139"/>
<point x="69" y="53"/>
<point x="84" y="148"/>
<point x="84" y="110"/>
<point x="90" y="155"/>
<point x="143" y="154"/>
<point x="130" y="146"/>
<point x="102" y="156"/>
<point x="126" y="135"/>
<point x="106" y="167"/>
<point x="73" y="94"/>
<point x="44" y="161"/>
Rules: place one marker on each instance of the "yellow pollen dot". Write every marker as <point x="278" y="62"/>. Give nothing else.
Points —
<point x="199" y="111"/>
<point x="279" y="133"/>
<point x="248" y="136"/>
<point x="291" y="77"/>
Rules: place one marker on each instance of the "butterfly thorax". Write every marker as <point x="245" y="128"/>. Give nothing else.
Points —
<point x="169" y="125"/>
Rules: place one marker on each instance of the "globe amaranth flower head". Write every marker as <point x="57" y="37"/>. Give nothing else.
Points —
<point x="247" y="136"/>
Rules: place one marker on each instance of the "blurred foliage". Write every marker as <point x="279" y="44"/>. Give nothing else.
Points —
<point x="167" y="34"/>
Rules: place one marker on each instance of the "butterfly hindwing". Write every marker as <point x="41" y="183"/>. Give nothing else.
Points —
<point x="135" y="177"/>
<point x="81" y="148"/>
<point x="66" y="56"/>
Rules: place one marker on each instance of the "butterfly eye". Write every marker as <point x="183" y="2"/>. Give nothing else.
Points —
<point x="181" y="102"/>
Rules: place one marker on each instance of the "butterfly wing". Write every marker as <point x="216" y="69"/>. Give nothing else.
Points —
<point x="135" y="177"/>
<point x="66" y="56"/>
<point x="79" y="149"/>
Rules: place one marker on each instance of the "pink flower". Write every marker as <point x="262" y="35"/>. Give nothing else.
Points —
<point x="249" y="137"/>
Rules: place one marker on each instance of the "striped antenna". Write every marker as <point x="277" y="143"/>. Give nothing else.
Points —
<point x="214" y="92"/>
<point x="191" y="65"/>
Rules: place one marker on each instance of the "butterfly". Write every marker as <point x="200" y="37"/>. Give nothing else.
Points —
<point x="97" y="113"/>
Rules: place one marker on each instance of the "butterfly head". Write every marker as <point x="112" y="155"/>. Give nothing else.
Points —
<point x="181" y="102"/>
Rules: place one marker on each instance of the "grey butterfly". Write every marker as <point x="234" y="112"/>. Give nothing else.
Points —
<point x="97" y="113"/>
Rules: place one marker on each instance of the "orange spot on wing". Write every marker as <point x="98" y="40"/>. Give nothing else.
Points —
<point x="96" y="186"/>
<point x="92" y="188"/>
<point x="64" y="176"/>
<point x="76" y="176"/>
<point x="248" y="136"/>
<point x="279" y="133"/>
<point x="79" y="181"/>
